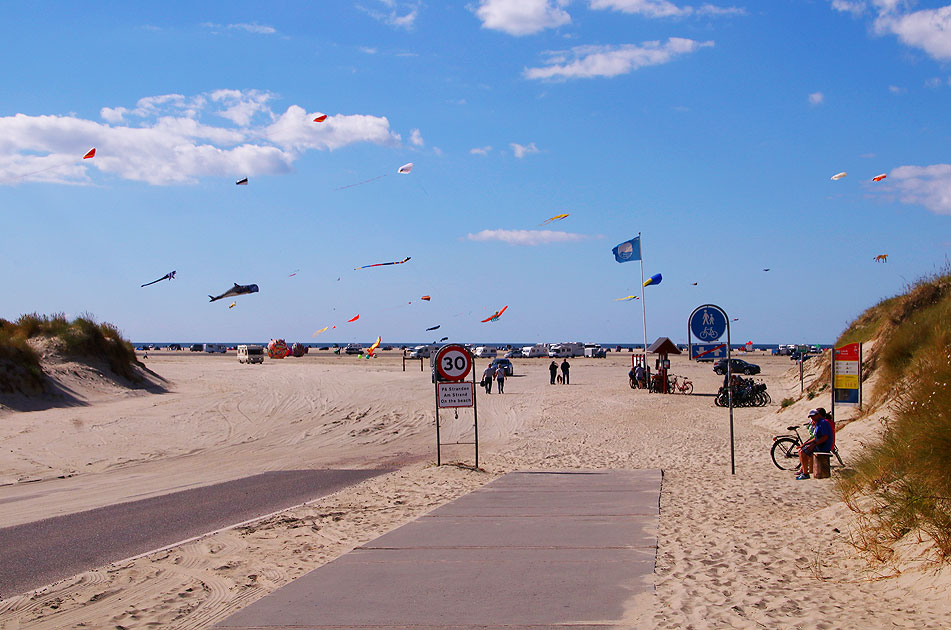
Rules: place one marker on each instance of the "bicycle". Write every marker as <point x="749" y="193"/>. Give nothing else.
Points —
<point x="785" y="450"/>
<point x="680" y="384"/>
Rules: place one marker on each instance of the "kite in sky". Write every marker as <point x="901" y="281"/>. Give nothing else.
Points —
<point x="557" y="217"/>
<point x="406" y="169"/>
<point x="881" y="258"/>
<point x="237" y="289"/>
<point x="436" y="327"/>
<point x="321" y="330"/>
<point x="376" y="344"/>
<point x="232" y="305"/>
<point x="91" y="153"/>
<point x="425" y="298"/>
<point x="169" y="276"/>
<point x="625" y="299"/>
<point x="694" y="283"/>
<point x="397" y="262"/>
<point x="321" y="118"/>
<point x="655" y="279"/>
<point x="879" y="178"/>
<point x="838" y="176"/>
<point x="242" y="182"/>
<point x="294" y="273"/>
<point x="444" y="339"/>
<point x="766" y="269"/>
<point x="353" y="319"/>
<point x="495" y="316"/>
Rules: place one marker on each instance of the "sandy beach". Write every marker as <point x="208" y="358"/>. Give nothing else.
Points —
<point x="752" y="550"/>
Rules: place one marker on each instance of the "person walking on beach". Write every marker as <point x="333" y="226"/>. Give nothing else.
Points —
<point x="500" y="377"/>
<point x="487" y="377"/>
<point x="553" y="370"/>
<point x="565" y="366"/>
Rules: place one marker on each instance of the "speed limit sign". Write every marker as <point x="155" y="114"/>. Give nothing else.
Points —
<point x="453" y="362"/>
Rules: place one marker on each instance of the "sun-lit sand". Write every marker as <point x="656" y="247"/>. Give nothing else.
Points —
<point x="754" y="550"/>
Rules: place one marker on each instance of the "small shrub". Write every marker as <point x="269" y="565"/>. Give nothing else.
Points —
<point x="786" y="402"/>
<point x="811" y="395"/>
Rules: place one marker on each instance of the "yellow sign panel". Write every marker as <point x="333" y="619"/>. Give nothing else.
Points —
<point x="846" y="381"/>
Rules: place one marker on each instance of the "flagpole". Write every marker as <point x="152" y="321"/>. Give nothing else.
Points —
<point x="640" y="242"/>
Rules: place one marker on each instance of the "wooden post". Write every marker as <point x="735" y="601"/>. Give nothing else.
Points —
<point x="822" y="465"/>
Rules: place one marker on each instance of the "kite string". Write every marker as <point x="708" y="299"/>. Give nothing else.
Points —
<point x="366" y="181"/>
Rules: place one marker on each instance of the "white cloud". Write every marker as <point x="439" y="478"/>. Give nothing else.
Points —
<point x="928" y="186"/>
<point x="663" y="8"/>
<point x="480" y="150"/>
<point x="398" y="14"/>
<point x="610" y="61"/>
<point x="168" y="144"/>
<point x="368" y="50"/>
<point x="894" y="89"/>
<point x="816" y="98"/>
<point x="936" y="82"/>
<point x="521" y="151"/>
<point x="927" y="29"/>
<point x="260" y="29"/>
<point x="522" y="17"/>
<point x="416" y="138"/>
<point x="527" y="237"/>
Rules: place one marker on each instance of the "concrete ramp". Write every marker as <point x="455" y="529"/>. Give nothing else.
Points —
<point x="531" y="549"/>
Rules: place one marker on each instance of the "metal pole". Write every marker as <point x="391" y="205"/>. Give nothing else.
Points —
<point x="832" y="376"/>
<point x="729" y="380"/>
<point x="860" y="376"/>
<point x="475" y="415"/>
<point x="801" y="387"/>
<point x="438" y="444"/>
<point x="640" y="244"/>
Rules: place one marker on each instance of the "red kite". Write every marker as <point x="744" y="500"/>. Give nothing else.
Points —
<point x="90" y="154"/>
<point x="321" y="118"/>
<point x="355" y="318"/>
<point x="879" y="178"/>
<point x="496" y="316"/>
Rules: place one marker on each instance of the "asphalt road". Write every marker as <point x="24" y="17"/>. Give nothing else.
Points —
<point x="39" y="553"/>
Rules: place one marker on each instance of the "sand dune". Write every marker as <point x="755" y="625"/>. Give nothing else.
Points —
<point x="754" y="550"/>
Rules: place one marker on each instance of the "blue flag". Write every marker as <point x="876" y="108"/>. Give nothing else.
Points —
<point x="628" y="250"/>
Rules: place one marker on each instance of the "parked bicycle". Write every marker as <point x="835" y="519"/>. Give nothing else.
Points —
<point x="746" y="393"/>
<point x="679" y="384"/>
<point x="785" y="451"/>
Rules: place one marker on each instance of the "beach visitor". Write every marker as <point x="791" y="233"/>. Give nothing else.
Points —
<point x="821" y="442"/>
<point x="500" y="377"/>
<point x="553" y="370"/>
<point x="487" y="377"/>
<point x="640" y="376"/>
<point x="565" y="366"/>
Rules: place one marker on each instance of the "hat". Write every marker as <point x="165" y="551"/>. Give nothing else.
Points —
<point x="813" y="412"/>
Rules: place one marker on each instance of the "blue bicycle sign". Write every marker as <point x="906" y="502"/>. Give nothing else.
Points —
<point x="708" y="324"/>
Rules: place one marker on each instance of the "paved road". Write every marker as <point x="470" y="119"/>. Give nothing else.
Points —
<point x="531" y="550"/>
<point x="38" y="553"/>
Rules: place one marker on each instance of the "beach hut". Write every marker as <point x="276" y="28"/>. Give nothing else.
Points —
<point x="663" y="347"/>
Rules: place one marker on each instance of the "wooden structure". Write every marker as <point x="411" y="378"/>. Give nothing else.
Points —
<point x="663" y="347"/>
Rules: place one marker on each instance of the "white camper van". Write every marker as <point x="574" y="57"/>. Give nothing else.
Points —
<point x="215" y="347"/>
<point x="250" y="354"/>
<point x="566" y="350"/>
<point x="594" y="351"/>
<point x="485" y="352"/>
<point x="538" y="350"/>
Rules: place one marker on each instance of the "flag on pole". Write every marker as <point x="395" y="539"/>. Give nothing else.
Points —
<point x="628" y="250"/>
<point x="655" y="279"/>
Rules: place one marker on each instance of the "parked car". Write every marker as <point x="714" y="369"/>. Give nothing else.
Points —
<point x="197" y="347"/>
<point x="506" y="366"/>
<point x="738" y="366"/>
<point x="353" y="348"/>
<point x="511" y="354"/>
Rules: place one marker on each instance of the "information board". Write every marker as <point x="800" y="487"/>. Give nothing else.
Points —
<point x="847" y="375"/>
<point x="455" y="395"/>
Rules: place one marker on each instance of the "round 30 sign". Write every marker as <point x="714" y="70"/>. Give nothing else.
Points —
<point x="453" y="362"/>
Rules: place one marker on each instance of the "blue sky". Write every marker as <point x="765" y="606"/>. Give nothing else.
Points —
<point x="711" y="128"/>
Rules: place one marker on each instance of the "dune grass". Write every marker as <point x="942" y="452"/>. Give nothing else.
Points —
<point x="80" y="338"/>
<point x="905" y="480"/>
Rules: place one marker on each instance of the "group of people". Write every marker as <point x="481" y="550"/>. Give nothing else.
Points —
<point x="822" y="428"/>
<point x="496" y="372"/>
<point x="565" y="369"/>
<point x="639" y="376"/>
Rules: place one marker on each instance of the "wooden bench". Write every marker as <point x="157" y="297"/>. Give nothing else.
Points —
<point x="821" y="465"/>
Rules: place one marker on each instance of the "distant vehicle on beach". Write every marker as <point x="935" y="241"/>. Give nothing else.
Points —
<point x="485" y="352"/>
<point x="197" y="347"/>
<point x="737" y="366"/>
<point x="538" y="350"/>
<point x="594" y="351"/>
<point x="353" y="348"/>
<point x="250" y="354"/>
<point x="507" y="366"/>
<point x="213" y="348"/>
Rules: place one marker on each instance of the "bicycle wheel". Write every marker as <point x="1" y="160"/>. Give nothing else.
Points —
<point x="785" y="453"/>
<point x="633" y="384"/>
<point x="688" y="388"/>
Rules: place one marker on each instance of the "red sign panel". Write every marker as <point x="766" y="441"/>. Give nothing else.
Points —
<point x="848" y="352"/>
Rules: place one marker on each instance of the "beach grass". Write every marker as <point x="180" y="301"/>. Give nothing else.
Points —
<point x="80" y="338"/>
<point x="905" y="479"/>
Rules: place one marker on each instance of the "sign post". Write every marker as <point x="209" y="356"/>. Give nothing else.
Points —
<point x="451" y="365"/>
<point x="708" y="323"/>
<point x="847" y="376"/>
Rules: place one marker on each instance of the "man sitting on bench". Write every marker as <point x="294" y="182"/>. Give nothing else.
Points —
<point x="821" y="442"/>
